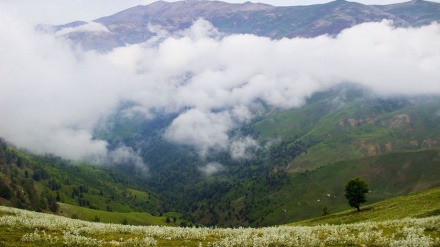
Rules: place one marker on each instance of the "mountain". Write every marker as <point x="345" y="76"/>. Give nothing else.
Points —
<point x="416" y="12"/>
<point x="338" y="135"/>
<point x="310" y="152"/>
<point x="362" y="127"/>
<point x="140" y="23"/>
<point x="301" y="158"/>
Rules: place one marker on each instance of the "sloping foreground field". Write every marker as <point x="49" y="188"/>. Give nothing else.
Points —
<point x="415" y="205"/>
<point x="26" y="228"/>
<point x="132" y="218"/>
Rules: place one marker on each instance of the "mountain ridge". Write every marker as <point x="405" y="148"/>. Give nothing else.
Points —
<point x="293" y="155"/>
<point x="132" y="25"/>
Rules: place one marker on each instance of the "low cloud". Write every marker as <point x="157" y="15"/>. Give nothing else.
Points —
<point x="126" y="156"/>
<point x="211" y="168"/>
<point x="89" y="27"/>
<point x="52" y="96"/>
<point x="243" y="148"/>
<point x="204" y="130"/>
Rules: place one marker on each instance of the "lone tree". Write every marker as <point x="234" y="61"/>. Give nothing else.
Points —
<point x="355" y="192"/>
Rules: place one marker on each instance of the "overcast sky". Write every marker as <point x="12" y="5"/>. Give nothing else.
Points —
<point x="64" y="11"/>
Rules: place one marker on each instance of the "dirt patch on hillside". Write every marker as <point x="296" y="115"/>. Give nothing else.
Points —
<point x="414" y="143"/>
<point x="370" y="148"/>
<point x="389" y="146"/>
<point x="400" y="120"/>
<point x="353" y="122"/>
<point x="429" y="143"/>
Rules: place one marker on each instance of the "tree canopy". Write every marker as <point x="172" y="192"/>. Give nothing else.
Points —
<point x="355" y="191"/>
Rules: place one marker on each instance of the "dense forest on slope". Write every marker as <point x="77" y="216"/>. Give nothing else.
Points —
<point x="346" y="124"/>
<point x="42" y="183"/>
<point x="299" y="167"/>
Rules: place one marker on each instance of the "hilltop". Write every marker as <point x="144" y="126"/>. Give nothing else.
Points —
<point x="140" y="23"/>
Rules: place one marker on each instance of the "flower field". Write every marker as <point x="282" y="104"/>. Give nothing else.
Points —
<point x="25" y="228"/>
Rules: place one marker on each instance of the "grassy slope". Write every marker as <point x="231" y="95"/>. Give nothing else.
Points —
<point x="389" y="142"/>
<point x="352" y="126"/>
<point x="131" y="218"/>
<point x="112" y="197"/>
<point x="415" y="205"/>
<point x="98" y="180"/>
<point x="46" y="230"/>
<point x="409" y="128"/>
<point x="387" y="175"/>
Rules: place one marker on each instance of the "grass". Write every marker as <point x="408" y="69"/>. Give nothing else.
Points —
<point x="415" y="205"/>
<point x="131" y="218"/>
<point x="388" y="175"/>
<point x="353" y="127"/>
<point x="381" y="224"/>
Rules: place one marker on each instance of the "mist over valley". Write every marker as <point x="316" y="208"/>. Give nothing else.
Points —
<point x="226" y="114"/>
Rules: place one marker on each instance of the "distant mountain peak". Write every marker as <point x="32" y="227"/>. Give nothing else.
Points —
<point x="415" y="1"/>
<point x="129" y="26"/>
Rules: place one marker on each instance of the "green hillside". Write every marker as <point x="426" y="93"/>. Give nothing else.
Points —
<point x="344" y="124"/>
<point x="307" y="193"/>
<point x="130" y="218"/>
<point x="303" y="160"/>
<point x="340" y="134"/>
<point x="51" y="184"/>
<point x="382" y="224"/>
<point x="414" y="205"/>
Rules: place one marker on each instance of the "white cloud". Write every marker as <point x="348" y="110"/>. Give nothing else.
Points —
<point x="211" y="168"/>
<point x="89" y="27"/>
<point x="204" y="130"/>
<point x="51" y="96"/>
<point x="123" y="155"/>
<point x="243" y="148"/>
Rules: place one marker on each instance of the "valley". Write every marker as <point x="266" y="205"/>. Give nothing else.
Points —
<point x="209" y="123"/>
<point x="294" y="176"/>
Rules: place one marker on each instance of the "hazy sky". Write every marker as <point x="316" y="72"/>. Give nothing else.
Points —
<point x="52" y="96"/>
<point x="63" y="11"/>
